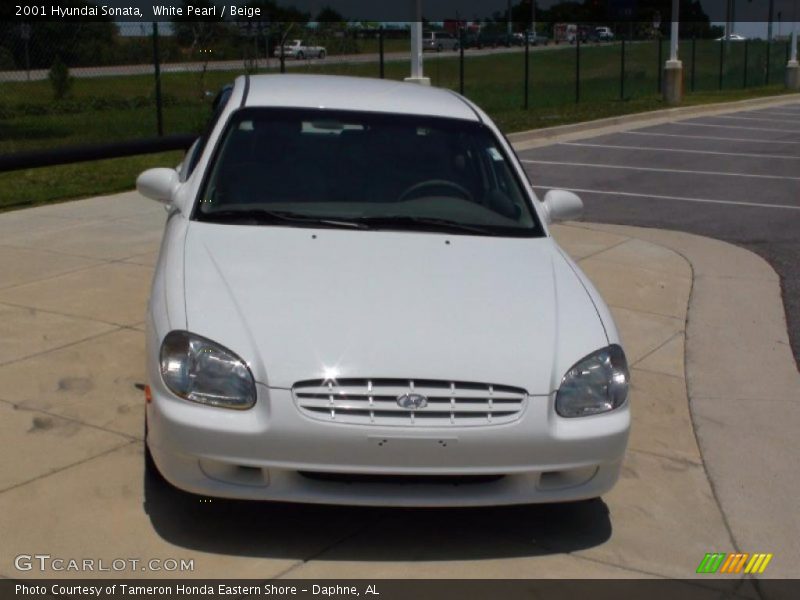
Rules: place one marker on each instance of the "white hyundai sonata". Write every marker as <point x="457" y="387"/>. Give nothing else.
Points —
<point x="358" y="301"/>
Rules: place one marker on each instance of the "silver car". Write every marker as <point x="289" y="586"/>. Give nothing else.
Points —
<point x="438" y="41"/>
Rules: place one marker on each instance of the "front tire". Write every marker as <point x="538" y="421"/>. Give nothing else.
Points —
<point x="321" y="54"/>
<point x="300" y="56"/>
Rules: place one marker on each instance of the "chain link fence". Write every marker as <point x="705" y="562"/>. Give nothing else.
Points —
<point x="75" y="84"/>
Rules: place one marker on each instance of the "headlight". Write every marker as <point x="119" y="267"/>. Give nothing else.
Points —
<point x="596" y="384"/>
<point x="200" y="370"/>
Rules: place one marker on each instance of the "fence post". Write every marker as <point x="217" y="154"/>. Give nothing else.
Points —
<point x="660" y="67"/>
<point x="282" y="42"/>
<point x="744" y="82"/>
<point x="769" y="51"/>
<point x="461" y="60"/>
<point x="157" y="71"/>
<point x="577" y="68"/>
<point x="380" y="50"/>
<point x="721" y="60"/>
<point x="527" y="67"/>
<point x="622" y="72"/>
<point x="694" y="60"/>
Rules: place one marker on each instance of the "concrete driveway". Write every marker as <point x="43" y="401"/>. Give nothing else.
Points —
<point x="74" y="279"/>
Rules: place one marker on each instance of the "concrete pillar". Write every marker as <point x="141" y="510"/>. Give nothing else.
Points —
<point x="793" y="75"/>
<point x="416" y="47"/>
<point x="792" y="68"/>
<point x="673" y="82"/>
<point x="673" y="69"/>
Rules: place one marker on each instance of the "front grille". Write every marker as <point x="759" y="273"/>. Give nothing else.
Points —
<point x="374" y="402"/>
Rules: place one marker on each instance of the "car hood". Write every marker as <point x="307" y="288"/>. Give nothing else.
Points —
<point x="300" y="304"/>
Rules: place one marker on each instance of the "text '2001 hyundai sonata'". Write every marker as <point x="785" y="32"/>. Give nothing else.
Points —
<point x="357" y="300"/>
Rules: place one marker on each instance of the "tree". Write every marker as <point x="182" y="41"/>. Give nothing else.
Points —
<point x="86" y="42"/>
<point x="329" y="15"/>
<point x="196" y="34"/>
<point x="60" y="79"/>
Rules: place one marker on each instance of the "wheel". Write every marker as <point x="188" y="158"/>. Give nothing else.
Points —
<point x="411" y="191"/>
<point x="439" y="48"/>
<point x="321" y="54"/>
<point x="300" y="56"/>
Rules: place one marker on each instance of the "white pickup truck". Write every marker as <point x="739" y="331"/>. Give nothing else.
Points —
<point x="298" y="50"/>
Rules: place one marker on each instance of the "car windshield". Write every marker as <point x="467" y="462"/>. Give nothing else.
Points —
<point x="317" y="167"/>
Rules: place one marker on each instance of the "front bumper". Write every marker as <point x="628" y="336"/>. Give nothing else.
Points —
<point x="274" y="452"/>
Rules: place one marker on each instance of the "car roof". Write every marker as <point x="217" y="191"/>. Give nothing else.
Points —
<point x="356" y="93"/>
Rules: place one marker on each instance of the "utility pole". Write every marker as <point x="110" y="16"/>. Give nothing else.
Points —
<point x="728" y="23"/>
<point x="769" y="21"/>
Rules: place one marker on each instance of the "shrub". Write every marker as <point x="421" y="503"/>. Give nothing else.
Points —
<point x="6" y="59"/>
<point x="60" y="79"/>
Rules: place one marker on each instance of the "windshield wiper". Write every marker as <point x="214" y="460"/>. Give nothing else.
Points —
<point x="424" y="224"/>
<point x="271" y="217"/>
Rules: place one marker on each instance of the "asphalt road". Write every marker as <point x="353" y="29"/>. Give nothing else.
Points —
<point x="262" y="63"/>
<point x="734" y="177"/>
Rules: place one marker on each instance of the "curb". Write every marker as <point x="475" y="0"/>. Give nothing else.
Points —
<point x="532" y="138"/>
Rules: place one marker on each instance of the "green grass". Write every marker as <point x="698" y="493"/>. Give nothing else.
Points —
<point x="31" y="187"/>
<point x="118" y="108"/>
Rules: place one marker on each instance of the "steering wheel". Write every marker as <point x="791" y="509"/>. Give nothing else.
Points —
<point x="435" y="183"/>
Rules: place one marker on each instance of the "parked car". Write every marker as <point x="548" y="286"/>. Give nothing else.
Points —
<point x="472" y="40"/>
<point x="603" y="34"/>
<point x="358" y="288"/>
<point x="438" y="41"/>
<point x="298" y="50"/>
<point x="502" y="38"/>
<point x="734" y="37"/>
<point x="537" y="39"/>
<point x="565" y="32"/>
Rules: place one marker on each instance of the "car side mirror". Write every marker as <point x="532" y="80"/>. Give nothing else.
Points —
<point x="158" y="184"/>
<point x="561" y="205"/>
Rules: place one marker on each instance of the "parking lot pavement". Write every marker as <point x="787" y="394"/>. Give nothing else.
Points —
<point x="734" y="177"/>
<point x="72" y="482"/>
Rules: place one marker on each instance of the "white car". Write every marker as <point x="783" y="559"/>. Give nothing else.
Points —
<point x="734" y="37"/>
<point x="358" y="301"/>
<point x="604" y="34"/>
<point x="299" y="50"/>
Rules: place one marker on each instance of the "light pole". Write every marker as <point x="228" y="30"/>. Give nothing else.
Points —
<point x="673" y="69"/>
<point x="769" y="20"/>
<point x="792" y="67"/>
<point x="416" y="45"/>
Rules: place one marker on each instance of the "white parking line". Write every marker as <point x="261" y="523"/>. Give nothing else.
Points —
<point x="776" y="114"/>
<point x="676" y="198"/>
<point x="734" y="127"/>
<point x="657" y="170"/>
<point x="775" y="156"/>
<point x="706" y="137"/>
<point x="792" y="121"/>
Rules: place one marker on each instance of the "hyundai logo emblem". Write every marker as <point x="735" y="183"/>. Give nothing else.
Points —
<point x="412" y="401"/>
